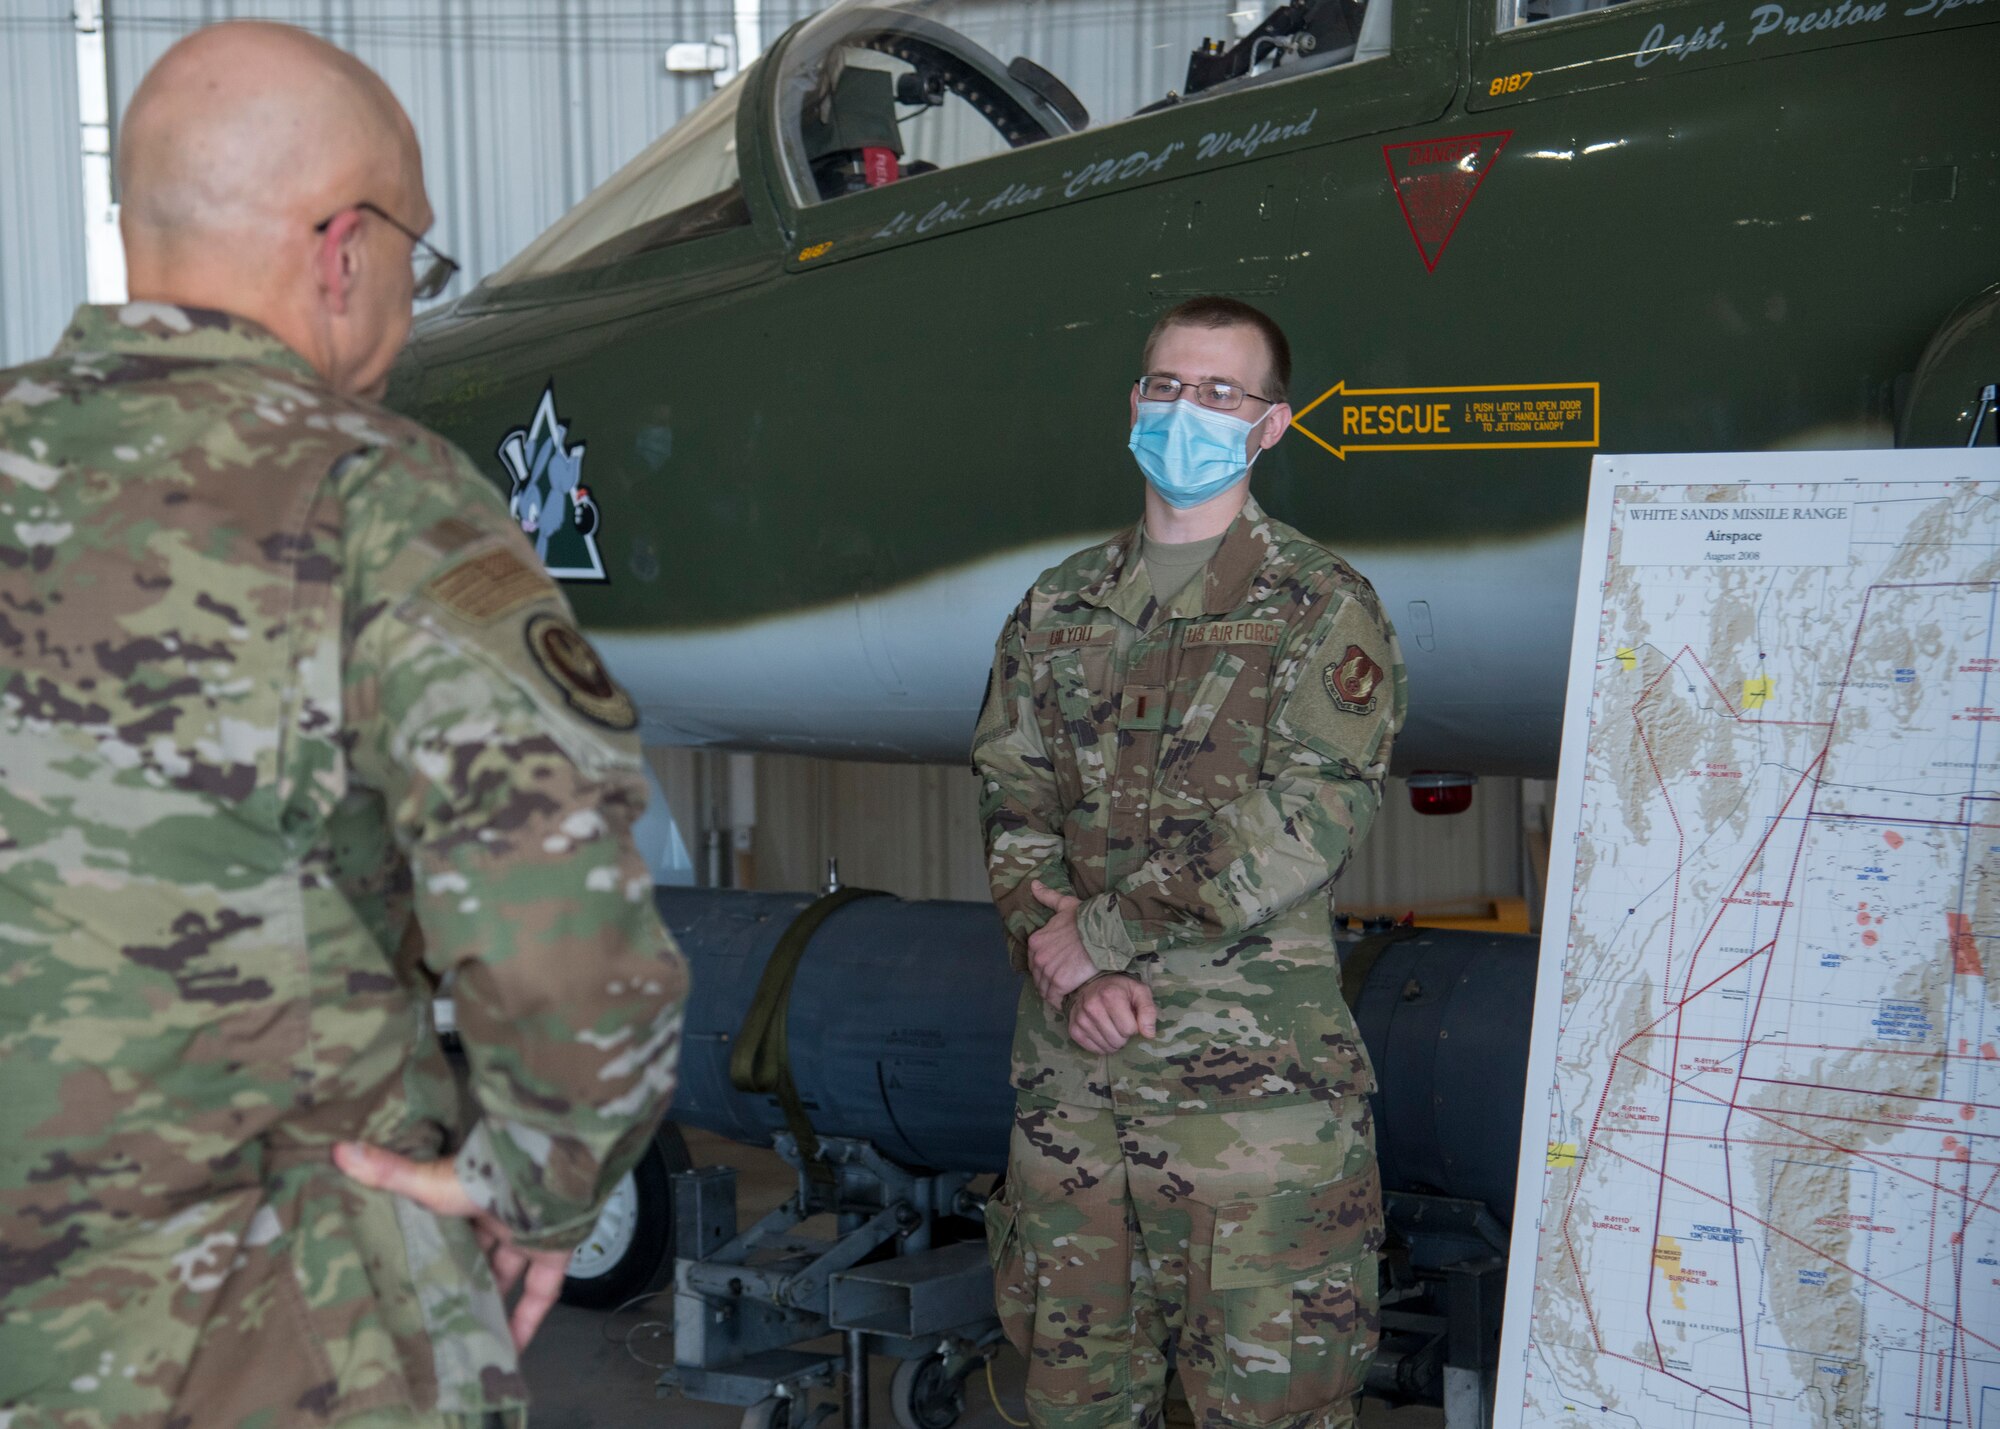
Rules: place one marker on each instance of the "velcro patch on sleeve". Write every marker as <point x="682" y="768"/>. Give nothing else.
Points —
<point x="488" y="586"/>
<point x="1343" y="700"/>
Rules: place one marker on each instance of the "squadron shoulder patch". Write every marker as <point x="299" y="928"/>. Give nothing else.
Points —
<point x="488" y="586"/>
<point x="1352" y="681"/>
<point x="574" y="669"/>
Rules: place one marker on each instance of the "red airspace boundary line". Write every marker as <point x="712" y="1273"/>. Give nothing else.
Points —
<point x="1680" y="838"/>
<point x="1676" y="1009"/>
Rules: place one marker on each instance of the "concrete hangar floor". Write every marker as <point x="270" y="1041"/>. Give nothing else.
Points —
<point x="586" y="1372"/>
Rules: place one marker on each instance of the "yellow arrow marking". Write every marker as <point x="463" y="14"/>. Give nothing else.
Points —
<point x="1509" y="421"/>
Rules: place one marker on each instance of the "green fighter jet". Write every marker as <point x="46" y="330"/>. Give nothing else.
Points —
<point x="802" y="399"/>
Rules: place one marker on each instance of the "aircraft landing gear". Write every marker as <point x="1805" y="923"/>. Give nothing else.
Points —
<point x="630" y="1250"/>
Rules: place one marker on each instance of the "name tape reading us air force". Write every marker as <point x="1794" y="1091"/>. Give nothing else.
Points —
<point x="1452" y="419"/>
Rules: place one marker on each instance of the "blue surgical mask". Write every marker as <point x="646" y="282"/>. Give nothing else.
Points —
<point x="1190" y="453"/>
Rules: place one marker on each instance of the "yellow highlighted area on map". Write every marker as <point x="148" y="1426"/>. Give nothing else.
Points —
<point x="1756" y="691"/>
<point x="1562" y="1153"/>
<point x="1628" y="659"/>
<point x="1667" y="1259"/>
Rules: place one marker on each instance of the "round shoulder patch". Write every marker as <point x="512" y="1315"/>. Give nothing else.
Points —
<point x="1352" y="681"/>
<point x="573" y="668"/>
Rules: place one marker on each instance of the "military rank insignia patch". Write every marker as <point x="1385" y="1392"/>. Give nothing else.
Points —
<point x="573" y="668"/>
<point x="1353" y="680"/>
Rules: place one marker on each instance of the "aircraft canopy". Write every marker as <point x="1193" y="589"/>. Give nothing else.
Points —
<point x="872" y="93"/>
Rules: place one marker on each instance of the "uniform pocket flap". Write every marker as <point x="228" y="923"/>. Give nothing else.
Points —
<point x="1289" y="1235"/>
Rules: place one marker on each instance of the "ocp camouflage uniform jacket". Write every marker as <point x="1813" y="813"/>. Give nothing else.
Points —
<point x="291" y="725"/>
<point x="1199" y="793"/>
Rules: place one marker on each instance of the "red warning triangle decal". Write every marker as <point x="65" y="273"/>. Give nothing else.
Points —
<point x="1435" y="180"/>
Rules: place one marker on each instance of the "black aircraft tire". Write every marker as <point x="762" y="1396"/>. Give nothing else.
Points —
<point x="628" y="1260"/>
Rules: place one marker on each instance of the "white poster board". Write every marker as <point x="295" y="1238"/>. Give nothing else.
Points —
<point x="1760" y="1168"/>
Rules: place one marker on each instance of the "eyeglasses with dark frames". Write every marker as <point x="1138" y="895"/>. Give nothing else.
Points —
<point x="430" y="269"/>
<point x="1217" y="396"/>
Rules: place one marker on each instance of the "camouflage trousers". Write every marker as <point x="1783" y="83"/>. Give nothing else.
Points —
<point x="1233" y="1250"/>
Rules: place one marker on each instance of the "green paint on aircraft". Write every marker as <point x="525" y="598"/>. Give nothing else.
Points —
<point x="1728" y="224"/>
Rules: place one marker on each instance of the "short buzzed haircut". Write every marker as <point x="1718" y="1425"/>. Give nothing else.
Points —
<point x="1217" y="311"/>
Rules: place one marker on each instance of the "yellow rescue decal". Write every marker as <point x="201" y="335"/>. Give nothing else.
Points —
<point x="1454" y="419"/>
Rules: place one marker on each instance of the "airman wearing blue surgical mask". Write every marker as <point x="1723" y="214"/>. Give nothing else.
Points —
<point x="1199" y="425"/>
<point x="1184" y="740"/>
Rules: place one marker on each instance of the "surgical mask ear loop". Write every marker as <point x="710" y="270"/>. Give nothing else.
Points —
<point x="1251" y="462"/>
<point x="1261" y="448"/>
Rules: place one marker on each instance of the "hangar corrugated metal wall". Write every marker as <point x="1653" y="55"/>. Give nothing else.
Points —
<point x="41" y="178"/>
<point x="522" y="106"/>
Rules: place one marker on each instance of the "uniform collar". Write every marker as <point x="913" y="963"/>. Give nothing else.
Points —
<point x="1227" y="581"/>
<point x="165" y="330"/>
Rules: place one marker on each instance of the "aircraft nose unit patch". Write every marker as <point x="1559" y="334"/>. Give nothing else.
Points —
<point x="549" y="499"/>
<point x="1352" y="681"/>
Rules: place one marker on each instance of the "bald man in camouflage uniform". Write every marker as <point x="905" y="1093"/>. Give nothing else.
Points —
<point x="1171" y="780"/>
<point x="292" y="725"/>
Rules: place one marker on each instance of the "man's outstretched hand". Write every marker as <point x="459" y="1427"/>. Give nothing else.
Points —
<point x="434" y="1185"/>
<point x="1056" y="955"/>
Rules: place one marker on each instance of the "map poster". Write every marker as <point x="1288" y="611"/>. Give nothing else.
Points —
<point x="1760" y="1170"/>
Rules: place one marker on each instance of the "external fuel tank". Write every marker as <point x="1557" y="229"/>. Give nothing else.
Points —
<point x="900" y="1015"/>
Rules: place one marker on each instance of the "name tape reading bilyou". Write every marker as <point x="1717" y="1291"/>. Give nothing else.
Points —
<point x="1651" y="533"/>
